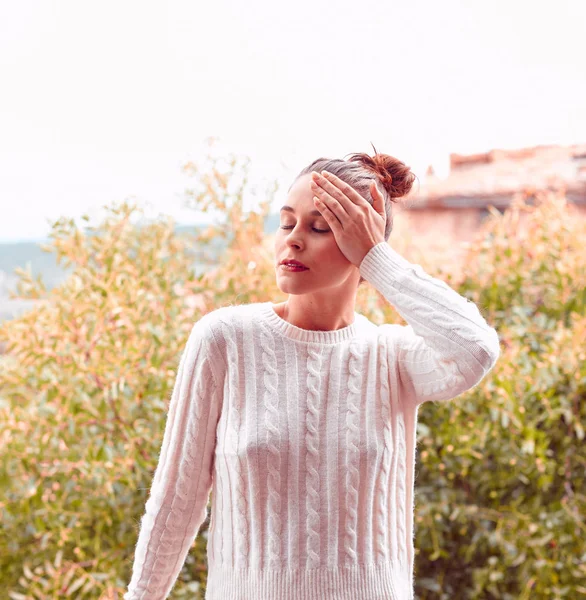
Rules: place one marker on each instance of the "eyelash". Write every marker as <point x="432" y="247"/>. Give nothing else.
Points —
<point x="318" y="230"/>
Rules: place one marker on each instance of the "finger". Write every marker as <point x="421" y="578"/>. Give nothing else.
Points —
<point x="345" y="190"/>
<point x="328" y="215"/>
<point x="334" y="190"/>
<point x="332" y="203"/>
<point x="378" y="201"/>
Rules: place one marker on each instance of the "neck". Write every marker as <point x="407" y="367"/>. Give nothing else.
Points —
<point x="314" y="317"/>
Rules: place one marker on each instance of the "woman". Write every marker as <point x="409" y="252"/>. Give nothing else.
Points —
<point x="300" y="417"/>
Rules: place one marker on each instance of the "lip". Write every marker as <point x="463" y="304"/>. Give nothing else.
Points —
<point x="293" y="262"/>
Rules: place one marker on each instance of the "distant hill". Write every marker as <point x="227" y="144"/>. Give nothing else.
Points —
<point x="21" y="254"/>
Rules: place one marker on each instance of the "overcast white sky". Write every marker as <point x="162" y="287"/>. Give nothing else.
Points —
<point x="107" y="100"/>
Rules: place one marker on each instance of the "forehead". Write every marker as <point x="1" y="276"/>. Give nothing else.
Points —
<point x="300" y="198"/>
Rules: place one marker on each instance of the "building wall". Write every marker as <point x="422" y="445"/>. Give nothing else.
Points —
<point x="441" y="235"/>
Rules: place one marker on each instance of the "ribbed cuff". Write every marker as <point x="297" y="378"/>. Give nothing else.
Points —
<point x="382" y="265"/>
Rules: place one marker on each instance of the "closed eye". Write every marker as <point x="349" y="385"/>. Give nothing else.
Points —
<point x="318" y="230"/>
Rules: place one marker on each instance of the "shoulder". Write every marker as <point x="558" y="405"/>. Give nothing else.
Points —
<point x="224" y="320"/>
<point x="384" y="331"/>
<point x="392" y="330"/>
<point x="223" y="327"/>
<point x="400" y="338"/>
<point x="389" y="335"/>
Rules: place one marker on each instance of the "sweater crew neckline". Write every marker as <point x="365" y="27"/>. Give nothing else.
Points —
<point x="307" y="335"/>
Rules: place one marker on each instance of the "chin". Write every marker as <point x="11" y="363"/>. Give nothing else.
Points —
<point x="290" y="287"/>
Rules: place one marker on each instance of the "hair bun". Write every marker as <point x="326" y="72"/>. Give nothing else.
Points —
<point x="394" y="174"/>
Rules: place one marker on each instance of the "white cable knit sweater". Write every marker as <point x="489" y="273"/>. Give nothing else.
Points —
<point x="306" y="440"/>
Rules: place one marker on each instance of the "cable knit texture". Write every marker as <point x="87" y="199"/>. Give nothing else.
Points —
<point x="306" y="441"/>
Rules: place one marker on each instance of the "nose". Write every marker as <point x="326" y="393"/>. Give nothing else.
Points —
<point x="294" y="239"/>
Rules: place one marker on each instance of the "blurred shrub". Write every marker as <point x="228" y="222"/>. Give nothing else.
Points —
<point x="83" y="391"/>
<point x="530" y="258"/>
<point x="501" y="478"/>
<point x="85" y="384"/>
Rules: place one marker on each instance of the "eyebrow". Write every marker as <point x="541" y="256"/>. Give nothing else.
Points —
<point x="291" y="209"/>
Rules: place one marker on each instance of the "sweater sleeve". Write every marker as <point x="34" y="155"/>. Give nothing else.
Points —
<point x="177" y="503"/>
<point x="446" y="347"/>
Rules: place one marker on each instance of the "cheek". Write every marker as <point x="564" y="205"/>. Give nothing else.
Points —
<point x="324" y="246"/>
<point x="332" y="254"/>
